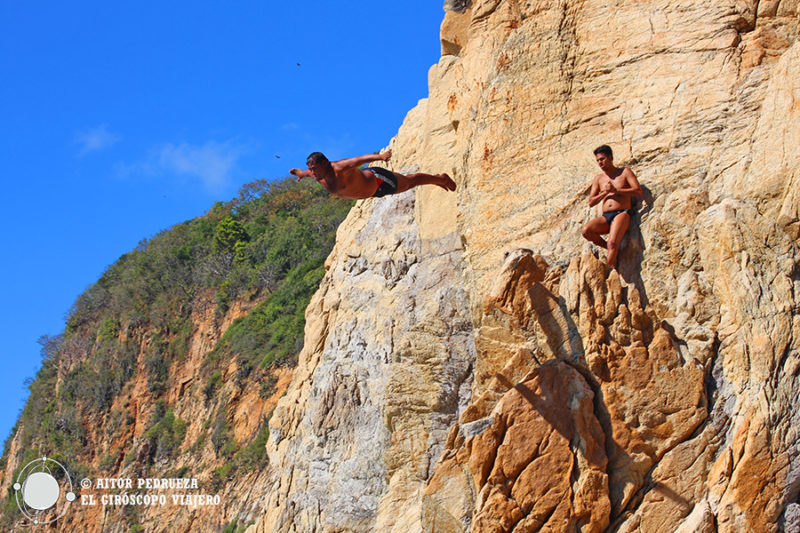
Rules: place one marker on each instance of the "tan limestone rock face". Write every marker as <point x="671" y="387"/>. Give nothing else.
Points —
<point x="455" y="29"/>
<point x="653" y="394"/>
<point x="649" y="398"/>
<point x="691" y="352"/>
<point x="517" y="473"/>
<point x="382" y="376"/>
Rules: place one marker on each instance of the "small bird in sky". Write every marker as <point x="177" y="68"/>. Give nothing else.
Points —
<point x="277" y="157"/>
<point x="298" y="64"/>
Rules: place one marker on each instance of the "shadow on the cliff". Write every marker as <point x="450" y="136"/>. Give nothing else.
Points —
<point x="680" y="342"/>
<point x="661" y="488"/>
<point x="632" y="250"/>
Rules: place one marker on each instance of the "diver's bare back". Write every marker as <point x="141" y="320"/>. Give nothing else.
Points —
<point x="615" y="202"/>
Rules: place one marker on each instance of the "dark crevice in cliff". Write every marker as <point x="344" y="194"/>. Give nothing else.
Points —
<point x="567" y="31"/>
<point x="711" y="385"/>
<point x="599" y="408"/>
<point x="604" y="418"/>
<point x="779" y="374"/>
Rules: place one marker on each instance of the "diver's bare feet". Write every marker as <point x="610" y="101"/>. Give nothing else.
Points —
<point x="449" y="184"/>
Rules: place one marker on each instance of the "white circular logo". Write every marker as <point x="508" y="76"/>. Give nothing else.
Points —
<point x="39" y="491"/>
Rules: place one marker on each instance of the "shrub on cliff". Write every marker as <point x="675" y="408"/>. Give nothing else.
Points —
<point x="166" y="432"/>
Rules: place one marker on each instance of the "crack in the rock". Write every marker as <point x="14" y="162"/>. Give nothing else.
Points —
<point x="549" y="515"/>
<point x="779" y="373"/>
<point x="755" y="15"/>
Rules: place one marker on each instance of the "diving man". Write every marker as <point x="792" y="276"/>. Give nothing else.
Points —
<point x="345" y="178"/>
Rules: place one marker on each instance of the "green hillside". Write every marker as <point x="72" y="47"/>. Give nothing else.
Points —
<point x="267" y="246"/>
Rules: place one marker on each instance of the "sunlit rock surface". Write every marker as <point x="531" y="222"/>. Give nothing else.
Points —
<point x="470" y="363"/>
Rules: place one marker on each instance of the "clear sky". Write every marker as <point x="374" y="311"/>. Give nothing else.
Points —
<point x="120" y="119"/>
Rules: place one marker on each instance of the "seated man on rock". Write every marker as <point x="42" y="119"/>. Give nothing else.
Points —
<point x="345" y="179"/>
<point x="614" y="187"/>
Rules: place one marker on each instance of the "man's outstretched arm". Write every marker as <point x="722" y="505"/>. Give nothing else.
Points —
<point x="363" y="159"/>
<point x="300" y="173"/>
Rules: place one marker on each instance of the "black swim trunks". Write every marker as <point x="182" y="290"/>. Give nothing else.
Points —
<point x="388" y="181"/>
<point x="610" y="215"/>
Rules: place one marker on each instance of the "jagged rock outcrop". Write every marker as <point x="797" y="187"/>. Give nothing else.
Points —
<point x="451" y="382"/>
<point x="644" y="395"/>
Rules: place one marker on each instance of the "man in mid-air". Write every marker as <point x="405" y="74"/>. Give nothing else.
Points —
<point x="614" y="188"/>
<point x="345" y="178"/>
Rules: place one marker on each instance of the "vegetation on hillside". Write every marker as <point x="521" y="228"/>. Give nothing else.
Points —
<point x="268" y="246"/>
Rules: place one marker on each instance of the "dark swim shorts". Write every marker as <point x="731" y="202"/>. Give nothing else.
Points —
<point x="610" y="215"/>
<point x="388" y="181"/>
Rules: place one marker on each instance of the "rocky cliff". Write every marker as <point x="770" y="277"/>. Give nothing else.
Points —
<point x="470" y="364"/>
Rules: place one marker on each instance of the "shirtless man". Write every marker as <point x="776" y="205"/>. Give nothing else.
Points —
<point x="614" y="188"/>
<point x="345" y="179"/>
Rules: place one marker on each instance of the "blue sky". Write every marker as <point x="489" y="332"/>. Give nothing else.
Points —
<point x="120" y="119"/>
